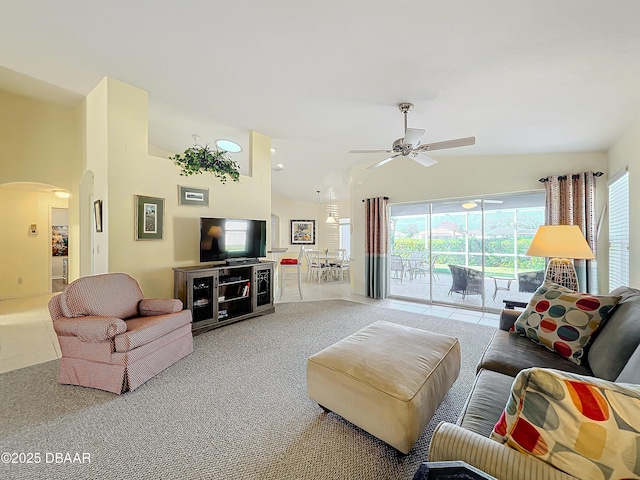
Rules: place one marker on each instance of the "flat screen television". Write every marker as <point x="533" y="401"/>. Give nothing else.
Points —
<point x="223" y="238"/>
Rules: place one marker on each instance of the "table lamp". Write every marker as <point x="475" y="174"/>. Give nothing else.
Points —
<point x="560" y="243"/>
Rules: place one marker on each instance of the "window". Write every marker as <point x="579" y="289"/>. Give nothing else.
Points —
<point x="485" y="237"/>
<point x="345" y="235"/>
<point x="618" y="187"/>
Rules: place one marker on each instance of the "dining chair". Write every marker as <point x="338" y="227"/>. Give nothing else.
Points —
<point x="315" y="266"/>
<point x="341" y="265"/>
<point x="291" y="264"/>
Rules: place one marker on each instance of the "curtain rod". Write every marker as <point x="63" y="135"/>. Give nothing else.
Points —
<point x="564" y="177"/>
<point x="364" y="199"/>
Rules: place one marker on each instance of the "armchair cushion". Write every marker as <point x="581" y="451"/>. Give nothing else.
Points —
<point x="90" y="329"/>
<point x="159" y="306"/>
<point x="563" y="320"/>
<point x="108" y="295"/>
<point x="146" y="329"/>
<point x="584" y="426"/>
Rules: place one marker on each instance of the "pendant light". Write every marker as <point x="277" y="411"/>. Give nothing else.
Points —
<point x="331" y="219"/>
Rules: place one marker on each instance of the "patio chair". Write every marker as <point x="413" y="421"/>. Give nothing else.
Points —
<point x="422" y="267"/>
<point x="398" y="267"/>
<point x="466" y="281"/>
<point x="530" y="281"/>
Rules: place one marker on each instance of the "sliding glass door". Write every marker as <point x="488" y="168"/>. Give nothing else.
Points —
<point x="466" y="252"/>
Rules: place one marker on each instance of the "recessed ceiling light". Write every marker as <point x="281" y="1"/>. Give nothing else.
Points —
<point x="228" y="146"/>
<point x="278" y="168"/>
<point x="61" y="194"/>
<point x="273" y="150"/>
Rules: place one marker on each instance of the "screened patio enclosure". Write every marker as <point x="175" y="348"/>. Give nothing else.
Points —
<point x="468" y="251"/>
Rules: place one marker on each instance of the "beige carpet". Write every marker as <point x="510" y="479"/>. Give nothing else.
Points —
<point x="236" y="408"/>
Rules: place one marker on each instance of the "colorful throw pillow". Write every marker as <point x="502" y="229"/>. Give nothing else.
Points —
<point x="584" y="426"/>
<point x="563" y="320"/>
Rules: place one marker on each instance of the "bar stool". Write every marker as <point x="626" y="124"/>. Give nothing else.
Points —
<point x="291" y="263"/>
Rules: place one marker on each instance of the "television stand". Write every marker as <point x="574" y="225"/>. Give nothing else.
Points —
<point x="221" y="294"/>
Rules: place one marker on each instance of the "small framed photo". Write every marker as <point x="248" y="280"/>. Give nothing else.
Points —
<point x="149" y="218"/>
<point x="97" y="213"/>
<point x="303" y="232"/>
<point x="198" y="197"/>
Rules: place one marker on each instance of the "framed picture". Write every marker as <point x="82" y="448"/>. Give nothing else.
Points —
<point x="149" y="218"/>
<point x="60" y="240"/>
<point x="97" y="213"/>
<point x="303" y="232"/>
<point x="198" y="197"/>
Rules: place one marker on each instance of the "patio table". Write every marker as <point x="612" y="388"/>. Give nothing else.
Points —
<point x="505" y="286"/>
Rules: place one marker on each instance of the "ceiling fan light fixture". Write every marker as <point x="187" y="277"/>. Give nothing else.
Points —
<point x="228" y="145"/>
<point x="469" y="205"/>
<point x="410" y="145"/>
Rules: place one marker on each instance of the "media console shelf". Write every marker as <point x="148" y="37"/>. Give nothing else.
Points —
<point x="221" y="294"/>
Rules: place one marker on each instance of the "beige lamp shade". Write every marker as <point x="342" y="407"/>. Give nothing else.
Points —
<point x="561" y="241"/>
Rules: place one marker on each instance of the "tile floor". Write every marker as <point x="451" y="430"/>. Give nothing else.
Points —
<point x="27" y="336"/>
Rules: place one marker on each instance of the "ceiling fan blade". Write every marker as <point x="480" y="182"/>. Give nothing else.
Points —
<point x="412" y="136"/>
<point x="422" y="159"/>
<point x="459" y="142"/>
<point x="370" y="151"/>
<point x="382" y="162"/>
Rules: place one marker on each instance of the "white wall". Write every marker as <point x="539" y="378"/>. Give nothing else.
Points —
<point x="626" y="153"/>
<point x="405" y="181"/>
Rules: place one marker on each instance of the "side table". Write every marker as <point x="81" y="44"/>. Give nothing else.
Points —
<point x="450" y="470"/>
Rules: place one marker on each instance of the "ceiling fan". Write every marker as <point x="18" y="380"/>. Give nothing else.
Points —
<point x="410" y="146"/>
<point x="470" y="204"/>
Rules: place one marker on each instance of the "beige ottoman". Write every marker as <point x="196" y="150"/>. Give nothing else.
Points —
<point x="387" y="379"/>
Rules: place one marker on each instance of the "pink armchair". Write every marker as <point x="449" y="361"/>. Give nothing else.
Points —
<point x="112" y="338"/>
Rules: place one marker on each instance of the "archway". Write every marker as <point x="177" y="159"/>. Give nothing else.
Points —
<point x="26" y="243"/>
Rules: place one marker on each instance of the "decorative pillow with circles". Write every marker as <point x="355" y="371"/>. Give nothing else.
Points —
<point x="584" y="426"/>
<point x="563" y="320"/>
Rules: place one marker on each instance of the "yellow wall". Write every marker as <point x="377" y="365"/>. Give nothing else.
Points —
<point x="40" y="143"/>
<point x="132" y="171"/>
<point x="626" y="153"/>
<point x="405" y="181"/>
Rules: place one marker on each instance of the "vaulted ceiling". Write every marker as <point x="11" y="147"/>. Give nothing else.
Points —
<point x="320" y="78"/>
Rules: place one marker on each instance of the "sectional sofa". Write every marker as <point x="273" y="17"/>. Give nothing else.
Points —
<point x="550" y="417"/>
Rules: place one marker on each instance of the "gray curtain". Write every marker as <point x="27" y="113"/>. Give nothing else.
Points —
<point x="376" y="248"/>
<point x="571" y="200"/>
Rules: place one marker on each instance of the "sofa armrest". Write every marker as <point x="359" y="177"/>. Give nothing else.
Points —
<point x="507" y="318"/>
<point x="451" y="442"/>
<point x="149" y="307"/>
<point x="90" y="329"/>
